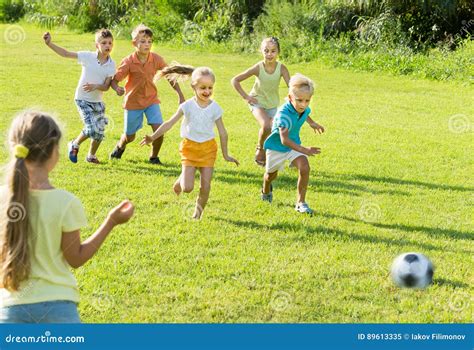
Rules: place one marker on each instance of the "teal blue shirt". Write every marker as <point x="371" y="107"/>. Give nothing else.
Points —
<point x="286" y="117"/>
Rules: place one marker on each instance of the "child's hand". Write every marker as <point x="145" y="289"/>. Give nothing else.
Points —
<point x="231" y="159"/>
<point x="89" y="87"/>
<point x="311" y="151"/>
<point x="121" y="213"/>
<point x="47" y="38"/>
<point x="251" y="100"/>
<point x="317" y="128"/>
<point x="120" y="90"/>
<point x="147" y="139"/>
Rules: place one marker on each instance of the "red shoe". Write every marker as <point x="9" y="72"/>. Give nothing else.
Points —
<point x="92" y="159"/>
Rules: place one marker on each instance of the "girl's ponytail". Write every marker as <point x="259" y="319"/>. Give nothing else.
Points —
<point x="14" y="252"/>
<point x="176" y="72"/>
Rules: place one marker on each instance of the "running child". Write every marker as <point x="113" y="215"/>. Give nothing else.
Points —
<point x="98" y="68"/>
<point x="198" y="149"/>
<point x="40" y="229"/>
<point x="141" y="96"/>
<point x="263" y="99"/>
<point x="284" y="142"/>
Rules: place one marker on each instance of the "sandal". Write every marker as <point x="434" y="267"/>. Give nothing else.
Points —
<point x="258" y="159"/>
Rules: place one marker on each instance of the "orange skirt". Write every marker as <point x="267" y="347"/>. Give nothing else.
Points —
<point x="198" y="154"/>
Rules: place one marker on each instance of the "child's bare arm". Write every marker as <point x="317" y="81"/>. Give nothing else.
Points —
<point x="166" y="126"/>
<point x="223" y="140"/>
<point x="102" y="87"/>
<point x="77" y="253"/>
<point x="286" y="141"/>
<point x="316" y="127"/>
<point x="59" y="50"/>
<point x="241" y="77"/>
<point x="115" y="86"/>
<point x="285" y="74"/>
<point x="177" y="88"/>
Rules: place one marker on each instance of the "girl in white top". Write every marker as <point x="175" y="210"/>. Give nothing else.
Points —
<point x="198" y="148"/>
<point x="263" y="100"/>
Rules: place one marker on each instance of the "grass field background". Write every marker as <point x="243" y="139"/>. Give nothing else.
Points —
<point x="395" y="175"/>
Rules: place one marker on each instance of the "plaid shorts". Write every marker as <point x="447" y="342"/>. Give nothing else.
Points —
<point x="93" y="116"/>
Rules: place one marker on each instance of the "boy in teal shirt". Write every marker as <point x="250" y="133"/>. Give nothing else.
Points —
<point x="284" y="142"/>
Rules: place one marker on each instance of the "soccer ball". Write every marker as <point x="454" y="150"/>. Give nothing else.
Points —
<point x="412" y="270"/>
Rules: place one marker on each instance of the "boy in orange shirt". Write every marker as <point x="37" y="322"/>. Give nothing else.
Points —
<point x="141" y="96"/>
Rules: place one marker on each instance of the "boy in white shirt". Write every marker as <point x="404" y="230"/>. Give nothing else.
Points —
<point x="98" y="69"/>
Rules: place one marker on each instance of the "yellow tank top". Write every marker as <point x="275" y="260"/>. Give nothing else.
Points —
<point x="265" y="88"/>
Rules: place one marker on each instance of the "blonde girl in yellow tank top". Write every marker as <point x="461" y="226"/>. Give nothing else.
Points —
<point x="263" y="99"/>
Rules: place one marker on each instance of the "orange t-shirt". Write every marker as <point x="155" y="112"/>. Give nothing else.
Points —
<point x="140" y="90"/>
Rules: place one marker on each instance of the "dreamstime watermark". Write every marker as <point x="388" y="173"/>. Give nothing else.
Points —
<point x="47" y="337"/>
<point x="459" y="124"/>
<point x="281" y="301"/>
<point x="369" y="211"/>
<point x="459" y="301"/>
<point x="16" y="212"/>
<point x="14" y="34"/>
<point x="101" y="301"/>
<point x="466" y="28"/>
<point x="107" y="126"/>
<point x="191" y="210"/>
<point x="191" y="32"/>
<point x="286" y="122"/>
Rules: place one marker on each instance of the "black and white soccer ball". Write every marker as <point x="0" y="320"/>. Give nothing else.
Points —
<point x="412" y="270"/>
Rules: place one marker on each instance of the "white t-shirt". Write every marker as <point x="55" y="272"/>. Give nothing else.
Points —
<point x="94" y="73"/>
<point x="198" y="123"/>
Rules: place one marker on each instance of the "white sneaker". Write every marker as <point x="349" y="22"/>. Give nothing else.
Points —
<point x="303" y="208"/>
<point x="72" y="150"/>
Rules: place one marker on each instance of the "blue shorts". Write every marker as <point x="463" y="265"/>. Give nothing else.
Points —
<point x="93" y="116"/>
<point x="58" y="311"/>
<point x="270" y="111"/>
<point x="133" y="118"/>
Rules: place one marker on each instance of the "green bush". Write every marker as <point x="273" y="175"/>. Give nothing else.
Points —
<point x="11" y="10"/>
<point x="415" y="37"/>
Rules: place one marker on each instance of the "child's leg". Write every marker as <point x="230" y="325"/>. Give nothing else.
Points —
<point x="185" y="181"/>
<point x="80" y="138"/>
<point x="267" y="181"/>
<point x="133" y="121"/>
<point x="94" y="146"/>
<point x="303" y="167"/>
<point x="125" y="139"/>
<point x="157" y="143"/>
<point x="154" y="119"/>
<point x="204" y="190"/>
<point x="265" y="123"/>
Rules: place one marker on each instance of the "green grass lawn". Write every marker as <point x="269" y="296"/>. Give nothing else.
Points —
<point x="395" y="175"/>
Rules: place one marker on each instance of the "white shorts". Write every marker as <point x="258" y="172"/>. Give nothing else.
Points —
<point x="276" y="160"/>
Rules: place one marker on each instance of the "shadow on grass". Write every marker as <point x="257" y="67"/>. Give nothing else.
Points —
<point x="394" y="181"/>
<point x="428" y="230"/>
<point x="321" y="183"/>
<point x="322" y="230"/>
<point x="445" y="282"/>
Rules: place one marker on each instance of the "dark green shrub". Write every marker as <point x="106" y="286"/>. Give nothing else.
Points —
<point x="11" y="10"/>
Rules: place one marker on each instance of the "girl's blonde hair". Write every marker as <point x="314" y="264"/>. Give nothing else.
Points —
<point x="271" y="39"/>
<point x="177" y="72"/>
<point x="299" y="82"/>
<point x="141" y="29"/>
<point x="32" y="138"/>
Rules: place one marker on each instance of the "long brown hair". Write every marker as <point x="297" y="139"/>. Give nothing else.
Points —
<point x="176" y="72"/>
<point x="37" y="134"/>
